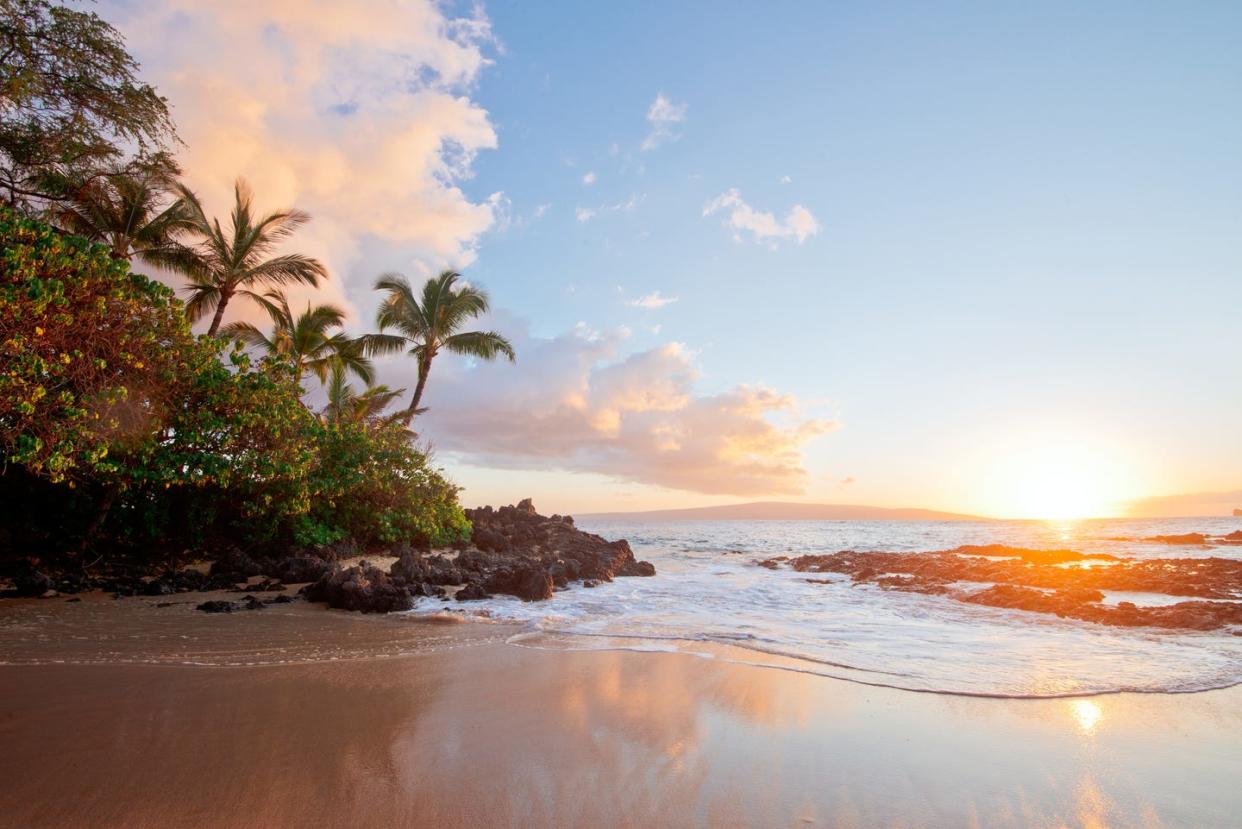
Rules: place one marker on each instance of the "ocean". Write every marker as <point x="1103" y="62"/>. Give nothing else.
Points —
<point x="710" y="599"/>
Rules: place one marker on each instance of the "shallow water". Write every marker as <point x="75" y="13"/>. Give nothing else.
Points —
<point x="708" y="598"/>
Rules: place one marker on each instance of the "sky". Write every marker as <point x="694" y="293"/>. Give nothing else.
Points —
<point x="979" y="257"/>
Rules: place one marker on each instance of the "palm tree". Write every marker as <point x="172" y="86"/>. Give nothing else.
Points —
<point x="223" y="265"/>
<point x="431" y="324"/>
<point x="306" y="340"/>
<point x="127" y="212"/>
<point x="348" y="406"/>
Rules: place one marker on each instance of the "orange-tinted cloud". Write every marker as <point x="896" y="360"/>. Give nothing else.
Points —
<point x="574" y="403"/>
<point x="358" y="113"/>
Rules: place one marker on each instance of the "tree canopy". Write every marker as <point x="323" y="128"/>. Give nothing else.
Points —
<point x="72" y="108"/>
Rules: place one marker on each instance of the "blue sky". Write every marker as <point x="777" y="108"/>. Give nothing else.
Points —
<point x="1025" y="266"/>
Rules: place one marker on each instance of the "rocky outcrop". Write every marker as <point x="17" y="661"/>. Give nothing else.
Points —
<point x="1061" y="582"/>
<point x="515" y="551"/>
<point x="364" y="587"/>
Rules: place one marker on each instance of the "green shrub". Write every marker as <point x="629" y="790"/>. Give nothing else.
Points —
<point x="373" y="485"/>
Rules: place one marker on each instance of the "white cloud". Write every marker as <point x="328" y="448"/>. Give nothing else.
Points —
<point x="663" y="116"/>
<point x="786" y="180"/>
<point x="576" y="403"/>
<point x="589" y="178"/>
<point x="542" y="210"/>
<point x="652" y="300"/>
<point x="359" y="114"/>
<point x="762" y="225"/>
<point x="586" y="214"/>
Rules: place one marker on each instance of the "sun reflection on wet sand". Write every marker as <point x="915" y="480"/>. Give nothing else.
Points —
<point x="1087" y="714"/>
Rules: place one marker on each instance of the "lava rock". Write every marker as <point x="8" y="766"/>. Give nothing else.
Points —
<point x="217" y="606"/>
<point x="301" y="568"/>
<point x="472" y="591"/>
<point x="365" y="588"/>
<point x="528" y="581"/>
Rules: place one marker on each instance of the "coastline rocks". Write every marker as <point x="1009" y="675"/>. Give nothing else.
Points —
<point x="218" y="606"/>
<point x="365" y="588"/>
<point x="233" y="567"/>
<point x="515" y="551"/>
<point x="300" y="568"/>
<point x="522" y="553"/>
<point x="1183" y="540"/>
<point x="1060" y="582"/>
<point x="529" y="581"/>
<point x="472" y="591"/>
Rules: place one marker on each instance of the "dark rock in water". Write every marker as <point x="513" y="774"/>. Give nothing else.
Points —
<point x="639" y="568"/>
<point x="529" y="581"/>
<point x="281" y="599"/>
<point x="365" y="588"/>
<point x="217" y="606"/>
<point x="71" y="601"/>
<point x="472" y="591"/>
<point x="1185" y="539"/>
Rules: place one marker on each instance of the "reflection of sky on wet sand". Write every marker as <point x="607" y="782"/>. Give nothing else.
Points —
<point x="505" y="736"/>
<point x="726" y="745"/>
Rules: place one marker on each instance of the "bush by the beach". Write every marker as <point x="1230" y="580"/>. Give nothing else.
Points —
<point x="373" y="485"/>
<point x="123" y="432"/>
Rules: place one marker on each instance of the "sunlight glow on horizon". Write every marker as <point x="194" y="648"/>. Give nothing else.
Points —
<point x="1059" y="478"/>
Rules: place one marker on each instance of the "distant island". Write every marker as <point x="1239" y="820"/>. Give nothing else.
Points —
<point x="786" y="511"/>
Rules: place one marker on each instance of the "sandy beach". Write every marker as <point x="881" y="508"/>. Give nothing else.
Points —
<point x="458" y="728"/>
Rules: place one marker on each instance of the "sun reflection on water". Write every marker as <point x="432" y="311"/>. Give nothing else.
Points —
<point x="1087" y="715"/>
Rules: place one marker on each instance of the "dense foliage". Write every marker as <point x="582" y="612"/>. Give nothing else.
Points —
<point x="117" y="423"/>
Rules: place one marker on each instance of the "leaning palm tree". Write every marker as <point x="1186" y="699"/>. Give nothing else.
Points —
<point x="131" y="213"/>
<point x="221" y="265"/>
<point x="430" y="324"/>
<point x="345" y="405"/>
<point x="306" y="340"/>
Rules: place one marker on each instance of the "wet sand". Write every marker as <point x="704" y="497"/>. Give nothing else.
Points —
<point x="464" y="730"/>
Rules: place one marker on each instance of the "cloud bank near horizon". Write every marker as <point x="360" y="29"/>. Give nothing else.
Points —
<point x="577" y="403"/>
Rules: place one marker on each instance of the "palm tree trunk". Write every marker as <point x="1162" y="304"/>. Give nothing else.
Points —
<point x="424" y="369"/>
<point x="215" y="321"/>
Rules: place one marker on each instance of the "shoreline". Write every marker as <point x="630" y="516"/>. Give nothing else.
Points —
<point x="483" y="733"/>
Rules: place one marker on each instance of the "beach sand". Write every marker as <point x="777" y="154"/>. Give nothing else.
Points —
<point x="465" y="730"/>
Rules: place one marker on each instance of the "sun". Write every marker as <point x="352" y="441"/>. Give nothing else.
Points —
<point x="1058" y="480"/>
